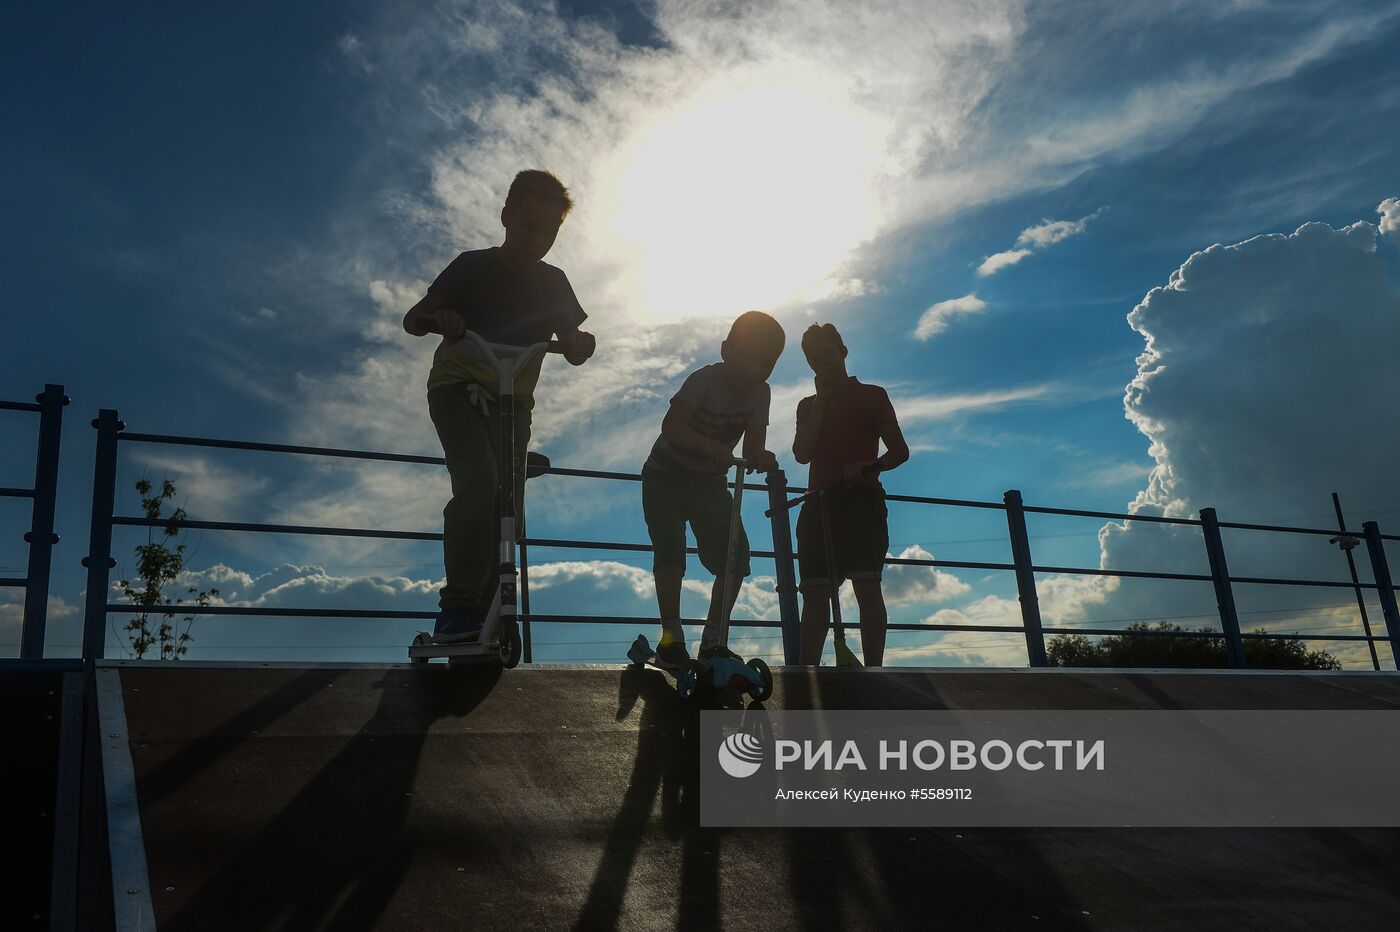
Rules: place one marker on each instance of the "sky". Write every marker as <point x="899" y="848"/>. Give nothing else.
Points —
<point x="1119" y="256"/>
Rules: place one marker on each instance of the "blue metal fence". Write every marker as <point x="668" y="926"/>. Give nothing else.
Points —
<point x="111" y="432"/>
<point x="40" y="536"/>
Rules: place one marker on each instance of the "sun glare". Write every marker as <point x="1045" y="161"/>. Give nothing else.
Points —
<point x="748" y="194"/>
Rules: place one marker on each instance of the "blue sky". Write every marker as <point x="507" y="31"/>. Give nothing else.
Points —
<point x="217" y="221"/>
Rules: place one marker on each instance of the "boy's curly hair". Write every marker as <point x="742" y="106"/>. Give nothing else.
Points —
<point x="818" y="332"/>
<point x="540" y="185"/>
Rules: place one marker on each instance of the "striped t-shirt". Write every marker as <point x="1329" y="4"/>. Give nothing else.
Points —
<point x="720" y="414"/>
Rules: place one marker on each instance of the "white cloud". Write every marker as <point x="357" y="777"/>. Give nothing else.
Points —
<point x="1108" y="475"/>
<point x="1389" y="210"/>
<point x="935" y="319"/>
<point x="208" y="490"/>
<point x="914" y="585"/>
<point x="1046" y="233"/>
<point x="1049" y="232"/>
<point x="12" y="621"/>
<point x="914" y="409"/>
<point x="1256" y="394"/>
<point x="1000" y="260"/>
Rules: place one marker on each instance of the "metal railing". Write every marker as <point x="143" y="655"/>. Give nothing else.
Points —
<point x="40" y="537"/>
<point x="99" y="562"/>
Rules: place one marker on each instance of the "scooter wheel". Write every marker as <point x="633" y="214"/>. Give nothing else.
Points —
<point x="510" y="646"/>
<point x="761" y="693"/>
<point x="688" y="680"/>
<point x="419" y="640"/>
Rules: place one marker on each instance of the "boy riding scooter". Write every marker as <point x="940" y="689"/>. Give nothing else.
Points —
<point x="509" y="297"/>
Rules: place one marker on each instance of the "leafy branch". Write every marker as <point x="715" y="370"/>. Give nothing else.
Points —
<point x="158" y="565"/>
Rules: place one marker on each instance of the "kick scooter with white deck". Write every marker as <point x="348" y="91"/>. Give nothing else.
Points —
<point x="499" y="639"/>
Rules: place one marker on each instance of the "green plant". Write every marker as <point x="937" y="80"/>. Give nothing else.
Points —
<point x="1275" y="652"/>
<point x="158" y="565"/>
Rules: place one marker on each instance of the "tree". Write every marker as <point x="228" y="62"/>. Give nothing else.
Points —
<point x="158" y="565"/>
<point x="1275" y="652"/>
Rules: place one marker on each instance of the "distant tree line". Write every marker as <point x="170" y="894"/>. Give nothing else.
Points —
<point x="1275" y="652"/>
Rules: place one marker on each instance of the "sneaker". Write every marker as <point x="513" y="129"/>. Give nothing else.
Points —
<point x="713" y="650"/>
<point x="671" y="654"/>
<point x="455" y="625"/>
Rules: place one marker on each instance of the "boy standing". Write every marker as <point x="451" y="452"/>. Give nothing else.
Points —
<point x="684" y="477"/>
<point x="839" y="430"/>
<point x="506" y="294"/>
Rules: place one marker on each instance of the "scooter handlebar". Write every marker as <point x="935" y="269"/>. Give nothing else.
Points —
<point x="493" y="352"/>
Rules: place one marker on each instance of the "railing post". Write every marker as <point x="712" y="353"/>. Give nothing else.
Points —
<point x="41" y="537"/>
<point x="1224" y="593"/>
<point x="525" y="601"/>
<point x="1384" y="587"/>
<point x="99" y="559"/>
<point x="1025" y="578"/>
<point x="786" y="577"/>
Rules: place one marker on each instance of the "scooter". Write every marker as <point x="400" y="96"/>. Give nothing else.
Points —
<point x="844" y="656"/>
<point x="499" y="639"/>
<point x="723" y="671"/>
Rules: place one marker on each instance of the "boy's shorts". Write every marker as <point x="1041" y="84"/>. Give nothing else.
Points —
<point x="669" y="503"/>
<point x="860" y="536"/>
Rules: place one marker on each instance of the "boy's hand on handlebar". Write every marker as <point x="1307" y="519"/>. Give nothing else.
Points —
<point x="445" y="321"/>
<point x="764" y="461"/>
<point x="577" y="346"/>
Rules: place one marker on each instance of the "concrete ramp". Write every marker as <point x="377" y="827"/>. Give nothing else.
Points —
<point x="355" y="797"/>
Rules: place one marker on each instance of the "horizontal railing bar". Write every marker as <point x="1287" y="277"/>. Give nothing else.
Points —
<point x="1326" y="584"/>
<point x="14" y="582"/>
<point x="948" y="564"/>
<point x="16" y="493"/>
<point x="1114" y="516"/>
<point x="643" y="621"/>
<point x="923" y="500"/>
<point x="609" y="545"/>
<point x="281" y="448"/>
<point x="19" y="406"/>
<point x="767" y="554"/>
<point x="637" y="477"/>
<point x="1236" y="525"/>
<point x="1129" y="574"/>
<point x="592" y="474"/>
<point x="118" y="608"/>
<point x="279" y="612"/>
<point x="276" y="528"/>
<point x="1115" y="632"/>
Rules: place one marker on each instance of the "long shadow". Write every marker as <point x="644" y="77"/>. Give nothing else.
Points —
<point x="665" y="766"/>
<point x="218" y="743"/>
<point x="335" y="855"/>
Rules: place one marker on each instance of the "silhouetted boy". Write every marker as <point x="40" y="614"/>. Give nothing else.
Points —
<point x="683" y="480"/>
<point x="507" y="295"/>
<point x="839" y="430"/>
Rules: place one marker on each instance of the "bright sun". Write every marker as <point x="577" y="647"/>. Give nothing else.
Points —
<point x="748" y="194"/>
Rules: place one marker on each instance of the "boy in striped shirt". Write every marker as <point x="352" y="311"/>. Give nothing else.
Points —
<point x="684" y="479"/>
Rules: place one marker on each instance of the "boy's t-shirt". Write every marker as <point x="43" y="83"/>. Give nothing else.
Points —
<point x="720" y="414"/>
<point x="503" y="305"/>
<point x="850" y="432"/>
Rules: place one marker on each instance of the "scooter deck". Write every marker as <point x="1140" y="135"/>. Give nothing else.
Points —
<point x="424" y="649"/>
